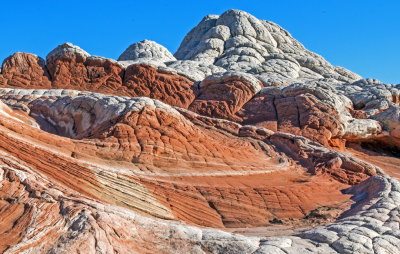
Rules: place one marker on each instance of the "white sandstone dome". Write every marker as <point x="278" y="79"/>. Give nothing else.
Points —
<point x="146" y="50"/>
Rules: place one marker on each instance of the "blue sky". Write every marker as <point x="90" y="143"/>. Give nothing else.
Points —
<point x="363" y="36"/>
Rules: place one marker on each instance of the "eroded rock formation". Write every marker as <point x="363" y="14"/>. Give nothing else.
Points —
<point x="242" y="130"/>
<point x="24" y="70"/>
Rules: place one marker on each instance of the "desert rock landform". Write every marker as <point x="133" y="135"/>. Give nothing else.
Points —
<point x="243" y="141"/>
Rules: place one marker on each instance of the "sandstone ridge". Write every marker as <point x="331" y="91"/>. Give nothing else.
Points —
<point x="243" y="141"/>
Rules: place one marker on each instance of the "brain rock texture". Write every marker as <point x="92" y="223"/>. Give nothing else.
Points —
<point x="243" y="141"/>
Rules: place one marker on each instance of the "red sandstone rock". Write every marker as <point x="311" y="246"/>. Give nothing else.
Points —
<point x="24" y="70"/>
<point x="359" y="114"/>
<point x="222" y="97"/>
<point x="303" y="115"/>
<point x="72" y="68"/>
<point x="201" y="173"/>
<point x="260" y="111"/>
<point x="320" y="160"/>
<point x="104" y="74"/>
<point x="76" y="71"/>
<point x="145" y="80"/>
<point x="85" y="172"/>
<point x="66" y="65"/>
<point x="158" y="161"/>
<point x="228" y="96"/>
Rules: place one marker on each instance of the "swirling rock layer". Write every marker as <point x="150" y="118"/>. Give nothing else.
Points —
<point x="241" y="130"/>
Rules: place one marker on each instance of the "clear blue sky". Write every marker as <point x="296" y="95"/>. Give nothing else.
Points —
<point x="363" y="36"/>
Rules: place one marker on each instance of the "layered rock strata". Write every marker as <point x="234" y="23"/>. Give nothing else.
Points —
<point x="165" y="153"/>
<point x="46" y="199"/>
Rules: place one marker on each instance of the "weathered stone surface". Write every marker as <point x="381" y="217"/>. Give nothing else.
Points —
<point x="369" y="235"/>
<point x="144" y="80"/>
<point x="312" y="110"/>
<point x="237" y="41"/>
<point x="72" y="68"/>
<point x="242" y="130"/>
<point x="104" y="75"/>
<point x="390" y="119"/>
<point x="222" y="95"/>
<point x="320" y="114"/>
<point x="322" y="160"/>
<point x="365" y="91"/>
<point x="66" y="65"/>
<point x="188" y="161"/>
<point x="194" y="70"/>
<point x="24" y="70"/>
<point x="147" y="50"/>
<point x="85" y="222"/>
<point x="105" y="120"/>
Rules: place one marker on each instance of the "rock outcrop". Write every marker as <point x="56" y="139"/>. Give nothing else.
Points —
<point x="312" y="110"/>
<point x="70" y="67"/>
<point x="146" y="50"/>
<point x="237" y="143"/>
<point x="222" y="95"/>
<point x="171" y="147"/>
<point x="25" y="70"/>
<point x="237" y="41"/>
<point x="145" y="80"/>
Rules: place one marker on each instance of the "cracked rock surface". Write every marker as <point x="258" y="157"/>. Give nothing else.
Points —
<point x="243" y="141"/>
